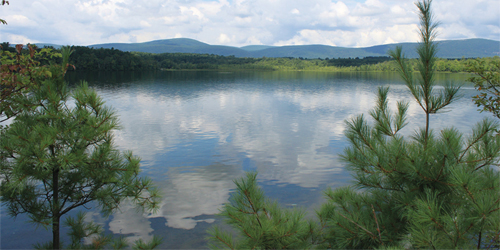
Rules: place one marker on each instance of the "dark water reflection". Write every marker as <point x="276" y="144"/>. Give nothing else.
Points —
<point x="197" y="131"/>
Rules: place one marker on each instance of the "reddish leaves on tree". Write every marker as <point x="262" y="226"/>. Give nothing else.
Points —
<point x="18" y="73"/>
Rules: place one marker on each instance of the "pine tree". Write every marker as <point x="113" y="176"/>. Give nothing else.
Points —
<point x="59" y="155"/>
<point x="432" y="190"/>
<point x="262" y="223"/>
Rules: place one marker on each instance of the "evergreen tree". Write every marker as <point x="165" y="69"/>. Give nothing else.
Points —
<point x="262" y="223"/>
<point x="59" y="155"/>
<point x="432" y="190"/>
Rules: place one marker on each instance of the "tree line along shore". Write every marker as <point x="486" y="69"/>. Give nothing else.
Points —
<point x="91" y="59"/>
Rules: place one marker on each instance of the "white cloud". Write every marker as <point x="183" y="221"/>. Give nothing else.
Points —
<point x="224" y="39"/>
<point x="145" y="24"/>
<point x="308" y="37"/>
<point x="370" y="8"/>
<point x="341" y="22"/>
<point x="376" y="36"/>
<point x="20" y="20"/>
<point x="17" y="39"/>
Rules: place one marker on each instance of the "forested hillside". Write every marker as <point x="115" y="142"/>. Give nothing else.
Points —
<point x="448" y="49"/>
<point x="85" y="59"/>
<point x="115" y="60"/>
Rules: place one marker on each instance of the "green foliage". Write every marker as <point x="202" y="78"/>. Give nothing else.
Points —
<point x="261" y="223"/>
<point x="433" y="191"/>
<point x="486" y="79"/>
<point x="354" y="220"/>
<point x="21" y="71"/>
<point x="428" y="187"/>
<point x="422" y="88"/>
<point x="189" y="61"/>
<point x="153" y="243"/>
<point x="79" y="229"/>
<point x="56" y="156"/>
<point x="91" y="59"/>
<point x="349" y="62"/>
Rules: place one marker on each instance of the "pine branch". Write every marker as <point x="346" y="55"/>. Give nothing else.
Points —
<point x="361" y="227"/>
<point x="471" y="144"/>
<point x="255" y="211"/>
<point x="378" y="227"/>
<point x="226" y="243"/>
<point x="345" y="228"/>
<point x="496" y="239"/>
<point x="483" y="165"/>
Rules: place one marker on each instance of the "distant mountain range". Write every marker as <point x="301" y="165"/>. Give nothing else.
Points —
<point x="447" y="49"/>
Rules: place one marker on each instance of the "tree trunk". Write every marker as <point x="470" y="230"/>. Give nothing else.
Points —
<point x="55" y="232"/>
<point x="427" y="118"/>
<point x="479" y="241"/>
<point x="55" y="209"/>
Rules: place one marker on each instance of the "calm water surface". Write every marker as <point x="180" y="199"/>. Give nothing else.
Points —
<point x="198" y="131"/>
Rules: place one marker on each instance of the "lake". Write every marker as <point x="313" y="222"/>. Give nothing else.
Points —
<point x="197" y="131"/>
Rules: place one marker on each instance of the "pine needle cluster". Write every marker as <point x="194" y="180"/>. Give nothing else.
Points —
<point x="263" y="223"/>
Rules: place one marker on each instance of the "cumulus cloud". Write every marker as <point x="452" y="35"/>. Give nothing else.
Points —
<point x="349" y="23"/>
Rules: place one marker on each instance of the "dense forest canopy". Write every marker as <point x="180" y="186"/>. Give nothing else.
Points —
<point x="92" y="59"/>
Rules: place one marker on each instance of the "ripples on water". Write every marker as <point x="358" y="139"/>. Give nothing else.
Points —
<point x="198" y="131"/>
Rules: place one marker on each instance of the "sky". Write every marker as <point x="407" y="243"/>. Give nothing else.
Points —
<point x="346" y="23"/>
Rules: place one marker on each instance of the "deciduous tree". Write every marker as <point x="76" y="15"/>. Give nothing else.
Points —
<point x="486" y="79"/>
<point x="20" y="73"/>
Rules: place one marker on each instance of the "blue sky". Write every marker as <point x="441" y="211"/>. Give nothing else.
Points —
<point x="348" y="23"/>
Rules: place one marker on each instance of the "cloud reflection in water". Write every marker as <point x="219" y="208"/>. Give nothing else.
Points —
<point x="291" y="131"/>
